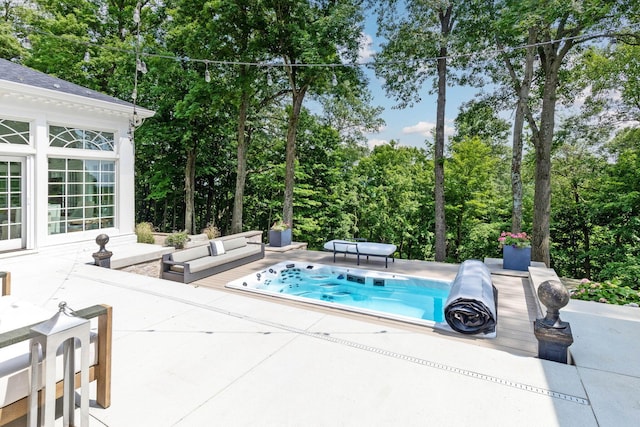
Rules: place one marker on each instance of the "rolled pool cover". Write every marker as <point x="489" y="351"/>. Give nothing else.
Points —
<point x="471" y="307"/>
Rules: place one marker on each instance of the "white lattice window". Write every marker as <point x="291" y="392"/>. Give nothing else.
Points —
<point x="81" y="195"/>
<point x="60" y="136"/>
<point x="14" y="132"/>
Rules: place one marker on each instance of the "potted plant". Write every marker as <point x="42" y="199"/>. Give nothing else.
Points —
<point x="177" y="240"/>
<point x="516" y="250"/>
<point x="280" y="234"/>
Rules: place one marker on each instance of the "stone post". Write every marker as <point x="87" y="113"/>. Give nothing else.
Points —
<point x="553" y="335"/>
<point x="102" y="257"/>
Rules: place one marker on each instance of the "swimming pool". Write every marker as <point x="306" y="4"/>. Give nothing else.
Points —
<point x="394" y="296"/>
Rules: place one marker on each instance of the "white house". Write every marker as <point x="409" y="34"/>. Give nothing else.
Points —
<point x="66" y="161"/>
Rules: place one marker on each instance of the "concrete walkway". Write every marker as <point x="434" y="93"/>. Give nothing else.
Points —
<point x="193" y="356"/>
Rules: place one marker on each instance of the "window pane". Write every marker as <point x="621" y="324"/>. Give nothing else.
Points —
<point x="106" y="199"/>
<point x="91" y="212"/>
<point x="16" y="184"/>
<point x="16" y="169"/>
<point x="64" y="137"/>
<point x="107" y="189"/>
<point x="92" y="165"/>
<point x="57" y="164"/>
<point x="56" y="190"/>
<point x="74" y="195"/>
<point x="108" y="166"/>
<point x="75" y="189"/>
<point x="108" y="177"/>
<point x="73" y="202"/>
<point x="14" y="132"/>
<point x="4" y="169"/>
<point x="76" y="165"/>
<point x="107" y="211"/>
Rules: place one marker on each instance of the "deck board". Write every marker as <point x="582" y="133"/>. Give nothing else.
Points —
<point x="516" y="308"/>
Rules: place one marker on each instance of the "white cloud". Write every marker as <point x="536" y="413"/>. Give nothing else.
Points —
<point x="375" y="142"/>
<point x="426" y="129"/>
<point x="365" y="53"/>
<point x="422" y="128"/>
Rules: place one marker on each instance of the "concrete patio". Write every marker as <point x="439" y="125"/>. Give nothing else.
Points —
<point x="198" y="355"/>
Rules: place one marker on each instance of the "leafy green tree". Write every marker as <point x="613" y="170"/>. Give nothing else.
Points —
<point x="12" y="32"/>
<point x="392" y="182"/>
<point x="414" y="31"/>
<point x="577" y="171"/>
<point x="302" y="32"/>
<point x="471" y="189"/>
<point x="618" y="211"/>
<point x="613" y="76"/>
<point x="557" y="28"/>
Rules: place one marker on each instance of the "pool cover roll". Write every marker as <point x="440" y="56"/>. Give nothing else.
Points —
<point x="471" y="307"/>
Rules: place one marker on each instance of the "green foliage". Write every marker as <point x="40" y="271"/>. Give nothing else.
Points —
<point x="341" y="188"/>
<point x="609" y="291"/>
<point x="393" y="184"/>
<point x="177" y="240"/>
<point x="280" y="225"/>
<point x="144" y="233"/>
<point x="480" y="242"/>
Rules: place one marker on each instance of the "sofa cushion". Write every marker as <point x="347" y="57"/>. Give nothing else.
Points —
<point x="214" y="261"/>
<point x="217" y="247"/>
<point x="191" y="254"/>
<point x="231" y="244"/>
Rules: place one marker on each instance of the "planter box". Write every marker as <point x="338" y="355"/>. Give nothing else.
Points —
<point x="280" y="238"/>
<point x="514" y="258"/>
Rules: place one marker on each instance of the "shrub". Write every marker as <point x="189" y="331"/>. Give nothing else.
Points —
<point x="608" y="291"/>
<point x="144" y="233"/>
<point x="211" y="231"/>
<point x="177" y="240"/>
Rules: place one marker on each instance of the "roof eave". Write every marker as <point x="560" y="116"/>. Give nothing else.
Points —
<point x="42" y="94"/>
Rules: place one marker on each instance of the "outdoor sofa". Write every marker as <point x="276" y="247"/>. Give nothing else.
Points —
<point x="15" y="355"/>
<point x="359" y="247"/>
<point x="218" y="255"/>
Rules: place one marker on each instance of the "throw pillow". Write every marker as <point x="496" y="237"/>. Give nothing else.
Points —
<point x="217" y="248"/>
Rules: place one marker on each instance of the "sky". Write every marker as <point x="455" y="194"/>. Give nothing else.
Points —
<point x="410" y="126"/>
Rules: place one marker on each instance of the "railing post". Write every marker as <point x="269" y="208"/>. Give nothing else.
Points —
<point x="554" y="336"/>
<point x="103" y="256"/>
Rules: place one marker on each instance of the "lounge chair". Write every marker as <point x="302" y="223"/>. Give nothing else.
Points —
<point x="363" y="248"/>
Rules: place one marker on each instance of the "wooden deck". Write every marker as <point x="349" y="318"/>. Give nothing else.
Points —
<point x="516" y="302"/>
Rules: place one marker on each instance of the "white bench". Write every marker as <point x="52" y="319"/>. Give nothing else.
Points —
<point x="364" y="248"/>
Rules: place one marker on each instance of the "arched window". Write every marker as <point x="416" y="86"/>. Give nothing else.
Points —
<point x="14" y="132"/>
<point x="60" y="136"/>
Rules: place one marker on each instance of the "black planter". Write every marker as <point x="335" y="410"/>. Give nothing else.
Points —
<point x="279" y="238"/>
<point x="516" y="258"/>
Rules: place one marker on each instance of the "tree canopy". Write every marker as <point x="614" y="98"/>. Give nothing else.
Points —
<point x="262" y="110"/>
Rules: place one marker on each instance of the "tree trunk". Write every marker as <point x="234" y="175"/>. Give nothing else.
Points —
<point x="522" y="90"/>
<point x="189" y="190"/>
<point x="516" y="165"/>
<point x="241" y="173"/>
<point x="438" y="160"/>
<point x="542" y="197"/>
<point x="289" y="182"/>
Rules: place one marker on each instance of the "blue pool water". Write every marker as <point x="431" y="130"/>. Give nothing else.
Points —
<point x="396" y="296"/>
